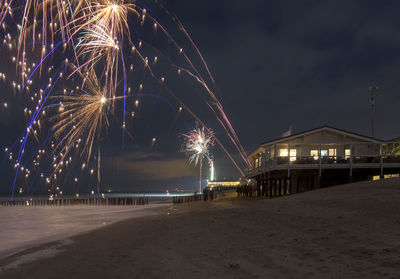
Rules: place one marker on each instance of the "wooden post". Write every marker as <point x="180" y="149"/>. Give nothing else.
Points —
<point x="273" y="188"/>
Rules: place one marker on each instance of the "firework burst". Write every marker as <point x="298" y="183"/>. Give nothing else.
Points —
<point x="80" y="120"/>
<point x="197" y="144"/>
<point x="103" y="45"/>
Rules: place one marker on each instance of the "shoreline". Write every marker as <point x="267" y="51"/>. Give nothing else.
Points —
<point x="349" y="231"/>
<point x="43" y="225"/>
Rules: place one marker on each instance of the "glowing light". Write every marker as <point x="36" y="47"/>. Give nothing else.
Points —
<point x="211" y="170"/>
<point x="197" y="145"/>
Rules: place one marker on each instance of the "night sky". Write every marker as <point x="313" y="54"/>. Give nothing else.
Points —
<point x="276" y="64"/>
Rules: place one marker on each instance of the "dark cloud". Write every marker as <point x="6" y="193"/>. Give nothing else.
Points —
<point x="151" y="167"/>
<point x="151" y="171"/>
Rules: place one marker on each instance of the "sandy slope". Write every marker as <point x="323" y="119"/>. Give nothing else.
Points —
<point x="350" y="231"/>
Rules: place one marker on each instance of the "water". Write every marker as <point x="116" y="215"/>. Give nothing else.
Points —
<point x="25" y="227"/>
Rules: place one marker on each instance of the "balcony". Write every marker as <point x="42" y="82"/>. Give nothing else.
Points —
<point x="326" y="162"/>
<point x="391" y="159"/>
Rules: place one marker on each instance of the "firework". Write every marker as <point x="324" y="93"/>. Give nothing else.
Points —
<point x="212" y="170"/>
<point x="197" y="144"/>
<point x="97" y="44"/>
<point x="80" y="121"/>
<point x="5" y="8"/>
<point x="97" y="40"/>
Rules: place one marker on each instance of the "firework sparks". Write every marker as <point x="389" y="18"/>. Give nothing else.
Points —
<point x="81" y="116"/>
<point x="197" y="144"/>
<point x="96" y="39"/>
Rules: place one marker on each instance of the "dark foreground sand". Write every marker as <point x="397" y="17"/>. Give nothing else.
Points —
<point x="350" y="231"/>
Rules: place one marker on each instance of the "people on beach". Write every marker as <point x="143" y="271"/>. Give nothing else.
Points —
<point x="209" y="194"/>
<point x="205" y="194"/>
<point x="247" y="190"/>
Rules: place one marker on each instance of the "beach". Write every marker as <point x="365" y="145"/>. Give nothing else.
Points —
<point x="349" y="231"/>
<point x="27" y="227"/>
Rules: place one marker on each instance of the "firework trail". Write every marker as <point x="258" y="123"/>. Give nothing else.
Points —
<point x="92" y="49"/>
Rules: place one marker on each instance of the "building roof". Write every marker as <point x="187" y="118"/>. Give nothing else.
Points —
<point x="322" y="128"/>
<point x="312" y="131"/>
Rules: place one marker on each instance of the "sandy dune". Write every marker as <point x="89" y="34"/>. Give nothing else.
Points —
<point x="350" y="231"/>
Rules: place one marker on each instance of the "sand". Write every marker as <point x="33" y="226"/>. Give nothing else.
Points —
<point x="26" y="227"/>
<point x="350" y="231"/>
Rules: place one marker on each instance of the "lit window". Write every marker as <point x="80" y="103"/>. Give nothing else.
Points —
<point x="391" y="176"/>
<point x="314" y="154"/>
<point x="324" y="153"/>
<point x="293" y="153"/>
<point x="283" y="152"/>
<point x="347" y="153"/>
<point x="332" y="152"/>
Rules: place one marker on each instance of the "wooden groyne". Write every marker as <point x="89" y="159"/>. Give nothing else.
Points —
<point x="187" y="199"/>
<point x="211" y="196"/>
<point x="131" y="201"/>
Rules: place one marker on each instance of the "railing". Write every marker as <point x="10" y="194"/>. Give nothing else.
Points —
<point x="323" y="162"/>
<point x="366" y="160"/>
<point x="391" y="159"/>
<point x="305" y="160"/>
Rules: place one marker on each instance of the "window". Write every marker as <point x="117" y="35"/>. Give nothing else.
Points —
<point x="293" y="153"/>
<point x="391" y="176"/>
<point x="376" y="177"/>
<point x="324" y="153"/>
<point x="283" y="152"/>
<point x="347" y="153"/>
<point x="332" y="152"/>
<point x="314" y="154"/>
